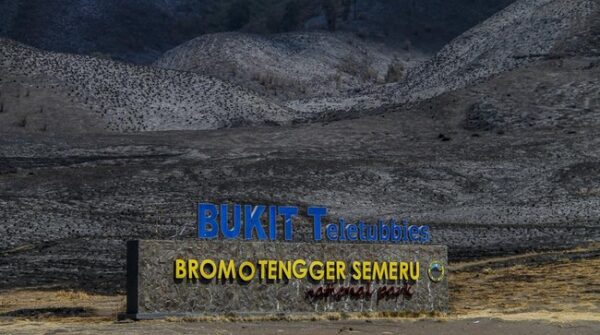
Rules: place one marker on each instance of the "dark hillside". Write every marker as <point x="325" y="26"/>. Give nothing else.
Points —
<point x="140" y="30"/>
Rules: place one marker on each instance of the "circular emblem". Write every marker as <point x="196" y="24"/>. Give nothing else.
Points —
<point x="436" y="271"/>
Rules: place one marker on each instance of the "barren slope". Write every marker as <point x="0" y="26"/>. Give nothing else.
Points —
<point x="517" y="176"/>
<point x="44" y="91"/>
<point x="498" y="167"/>
<point x="287" y="65"/>
<point x="521" y="34"/>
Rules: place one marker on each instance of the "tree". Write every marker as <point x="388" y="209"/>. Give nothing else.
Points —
<point x="395" y="71"/>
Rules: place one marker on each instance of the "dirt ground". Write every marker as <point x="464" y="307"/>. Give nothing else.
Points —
<point x="544" y="293"/>
<point x="414" y="327"/>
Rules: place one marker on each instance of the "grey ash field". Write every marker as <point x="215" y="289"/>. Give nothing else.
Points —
<point x="493" y="142"/>
<point x="70" y="202"/>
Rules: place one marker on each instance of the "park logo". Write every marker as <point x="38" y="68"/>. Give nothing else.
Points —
<point x="436" y="271"/>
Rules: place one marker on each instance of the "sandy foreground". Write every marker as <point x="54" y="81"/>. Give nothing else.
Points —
<point x="543" y="293"/>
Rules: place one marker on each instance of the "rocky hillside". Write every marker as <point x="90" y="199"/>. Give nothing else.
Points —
<point x="504" y="167"/>
<point x="44" y="91"/>
<point x="506" y="162"/>
<point x="523" y="33"/>
<point x="141" y="30"/>
<point x="291" y="65"/>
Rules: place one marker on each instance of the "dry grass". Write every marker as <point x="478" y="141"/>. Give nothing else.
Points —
<point x="100" y="306"/>
<point x="566" y="287"/>
<point x="73" y="295"/>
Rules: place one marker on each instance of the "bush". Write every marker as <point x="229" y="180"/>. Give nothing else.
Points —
<point x="358" y="68"/>
<point x="395" y="72"/>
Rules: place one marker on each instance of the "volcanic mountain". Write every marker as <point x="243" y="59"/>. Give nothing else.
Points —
<point x="47" y="91"/>
<point x="291" y="65"/>
<point x="522" y="33"/>
<point x="140" y="31"/>
<point x="498" y="152"/>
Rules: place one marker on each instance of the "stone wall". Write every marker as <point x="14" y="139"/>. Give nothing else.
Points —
<point x="153" y="290"/>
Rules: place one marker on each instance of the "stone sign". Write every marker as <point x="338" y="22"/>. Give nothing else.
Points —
<point x="196" y="278"/>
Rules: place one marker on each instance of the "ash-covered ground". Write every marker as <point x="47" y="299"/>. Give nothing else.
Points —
<point x="495" y="147"/>
<point x="70" y="202"/>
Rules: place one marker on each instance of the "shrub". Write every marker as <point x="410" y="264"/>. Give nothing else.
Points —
<point x="395" y="72"/>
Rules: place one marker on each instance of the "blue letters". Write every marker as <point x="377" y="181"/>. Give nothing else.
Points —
<point x="216" y="221"/>
<point x="252" y="222"/>
<point x="272" y="222"/>
<point x="235" y="231"/>
<point x="317" y="213"/>
<point x="332" y="232"/>
<point x="288" y="212"/>
<point x="205" y="221"/>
